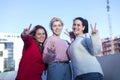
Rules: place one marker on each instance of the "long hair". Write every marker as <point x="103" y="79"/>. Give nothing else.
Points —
<point x="33" y="32"/>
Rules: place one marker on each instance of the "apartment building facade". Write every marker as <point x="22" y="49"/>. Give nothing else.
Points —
<point x="111" y="46"/>
<point x="10" y="51"/>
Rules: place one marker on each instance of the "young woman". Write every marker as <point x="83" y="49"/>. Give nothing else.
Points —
<point x="55" y="53"/>
<point x="83" y="50"/>
<point x="31" y="65"/>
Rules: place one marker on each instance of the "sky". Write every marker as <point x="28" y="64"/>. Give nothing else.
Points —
<point x="16" y="15"/>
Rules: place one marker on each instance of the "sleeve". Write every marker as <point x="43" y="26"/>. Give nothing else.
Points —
<point x="87" y="43"/>
<point x="96" y="43"/>
<point x="27" y="40"/>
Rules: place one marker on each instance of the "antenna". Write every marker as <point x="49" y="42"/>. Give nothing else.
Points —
<point x="110" y="26"/>
<point x="109" y="19"/>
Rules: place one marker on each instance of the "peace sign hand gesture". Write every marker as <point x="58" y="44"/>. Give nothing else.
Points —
<point x="26" y="31"/>
<point x="94" y="30"/>
<point x="70" y="34"/>
<point x="50" y="56"/>
<point x="51" y="50"/>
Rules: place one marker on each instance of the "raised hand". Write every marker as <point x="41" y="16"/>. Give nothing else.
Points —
<point x="26" y="31"/>
<point x="70" y="34"/>
<point x="67" y="33"/>
<point x="94" y="30"/>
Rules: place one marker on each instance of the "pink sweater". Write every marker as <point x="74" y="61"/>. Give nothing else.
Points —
<point x="61" y="47"/>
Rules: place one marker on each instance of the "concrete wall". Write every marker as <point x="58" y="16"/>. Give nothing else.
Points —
<point x="111" y="66"/>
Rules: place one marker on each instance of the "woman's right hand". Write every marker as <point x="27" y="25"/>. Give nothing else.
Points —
<point x="70" y="34"/>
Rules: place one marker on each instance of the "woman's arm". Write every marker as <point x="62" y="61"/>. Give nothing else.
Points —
<point x="96" y="41"/>
<point x="25" y="35"/>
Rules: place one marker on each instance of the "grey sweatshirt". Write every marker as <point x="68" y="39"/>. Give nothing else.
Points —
<point x="82" y="53"/>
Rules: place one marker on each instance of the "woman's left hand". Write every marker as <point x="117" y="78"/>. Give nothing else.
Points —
<point x="94" y="30"/>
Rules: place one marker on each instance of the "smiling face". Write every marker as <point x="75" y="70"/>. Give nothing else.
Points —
<point x="78" y="27"/>
<point x="40" y="35"/>
<point x="57" y="28"/>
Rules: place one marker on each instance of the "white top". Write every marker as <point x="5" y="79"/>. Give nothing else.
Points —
<point x="82" y="53"/>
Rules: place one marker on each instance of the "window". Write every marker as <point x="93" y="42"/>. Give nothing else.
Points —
<point x="1" y="53"/>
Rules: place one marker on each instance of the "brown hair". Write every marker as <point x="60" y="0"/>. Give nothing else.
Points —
<point x="33" y="32"/>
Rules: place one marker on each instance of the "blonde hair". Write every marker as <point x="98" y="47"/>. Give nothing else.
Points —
<point x="54" y="19"/>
